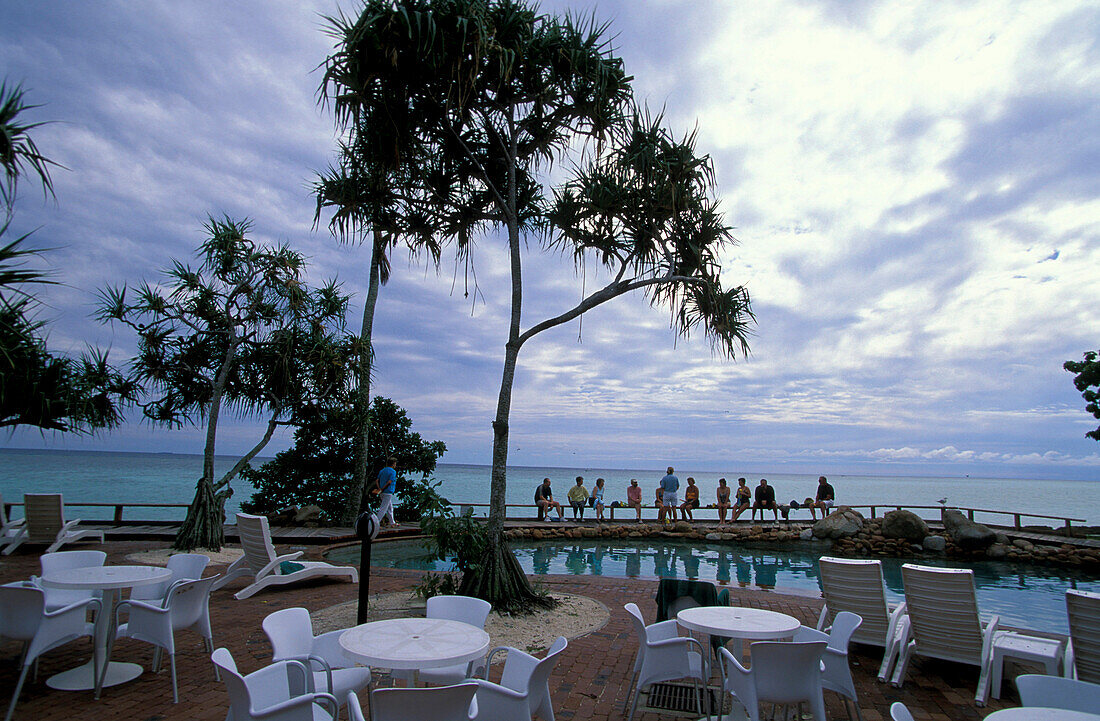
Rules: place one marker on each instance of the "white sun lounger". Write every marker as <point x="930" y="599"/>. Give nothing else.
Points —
<point x="942" y="622"/>
<point x="44" y="522"/>
<point x="857" y="586"/>
<point x="259" y="561"/>
<point x="1083" y="653"/>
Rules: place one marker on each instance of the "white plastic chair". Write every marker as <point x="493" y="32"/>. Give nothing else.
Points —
<point x="444" y="703"/>
<point x="857" y="586"/>
<point x="24" y="617"/>
<point x="1083" y="653"/>
<point x="260" y="562"/>
<point x="942" y="622"/>
<point x="836" y="674"/>
<point x="184" y="567"/>
<point x="44" y="522"/>
<point x="63" y="561"/>
<point x="291" y="634"/>
<point x="900" y="712"/>
<point x="1055" y="692"/>
<point x="186" y="606"/>
<point x="782" y="673"/>
<point x="524" y="688"/>
<point x="664" y="655"/>
<point x="9" y="529"/>
<point x="273" y="693"/>
<point x="466" y="609"/>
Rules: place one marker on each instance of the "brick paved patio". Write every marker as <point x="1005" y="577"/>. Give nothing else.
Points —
<point x="590" y="681"/>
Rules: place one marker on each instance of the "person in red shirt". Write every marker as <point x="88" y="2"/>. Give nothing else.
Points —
<point x="634" y="497"/>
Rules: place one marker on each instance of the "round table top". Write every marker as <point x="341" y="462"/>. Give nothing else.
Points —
<point x="738" y="622"/>
<point x="105" y="577"/>
<point x="412" y="643"/>
<point x="1039" y="713"/>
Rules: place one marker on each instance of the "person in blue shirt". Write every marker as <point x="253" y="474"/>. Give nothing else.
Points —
<point x="669" y="485"/>
<point x="385" y="486"/>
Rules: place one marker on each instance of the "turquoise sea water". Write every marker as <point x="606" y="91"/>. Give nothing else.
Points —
<point x="1024" y="595"/>
<point x="170" y="478"/>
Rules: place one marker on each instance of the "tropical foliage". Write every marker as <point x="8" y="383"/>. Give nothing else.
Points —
<point x="1087" y="381"/>
<point x="319" y="467"/>
<point x="242" y="332"/>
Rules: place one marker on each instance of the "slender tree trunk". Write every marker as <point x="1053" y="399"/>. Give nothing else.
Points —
<point x="356" y="497"/>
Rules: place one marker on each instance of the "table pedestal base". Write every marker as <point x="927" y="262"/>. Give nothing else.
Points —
<point x="82" y="678"/>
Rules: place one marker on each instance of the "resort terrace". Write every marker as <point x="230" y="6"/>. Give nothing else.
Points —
<point x="591" y="680"/>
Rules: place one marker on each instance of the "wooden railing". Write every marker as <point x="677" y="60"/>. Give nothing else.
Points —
<point x="873" y="510"/>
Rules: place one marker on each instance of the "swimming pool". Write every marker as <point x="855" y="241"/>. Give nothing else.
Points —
<point x="1025" y="595"/>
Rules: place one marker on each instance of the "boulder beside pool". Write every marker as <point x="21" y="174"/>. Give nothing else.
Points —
<point x="904" y="524"/>
<point x="844" y="522"/>
<point x="967" y="535"/>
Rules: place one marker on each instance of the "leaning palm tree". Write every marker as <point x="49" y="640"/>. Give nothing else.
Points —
<point x="18" y="152"/>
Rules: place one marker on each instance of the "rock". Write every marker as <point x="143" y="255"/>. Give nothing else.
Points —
<point x="308" y="514"/>
<point x="807" y="535"/>
<point x="714" y="536"/>
<point x="967" y="535"/>
<point x="1022" y="544"/>
<point x="904" y="524"/>
<point x="841" y="523"/>
<point x="683" y="527"/>
<point x="997" y="550"/>
<point x="916" y="547"/>
<point x="934" y="544"/>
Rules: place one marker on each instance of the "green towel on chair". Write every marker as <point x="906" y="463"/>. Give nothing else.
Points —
<point x="288" y="567"/>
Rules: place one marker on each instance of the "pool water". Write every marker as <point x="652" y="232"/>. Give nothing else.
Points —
<point x="1024" y="595"/>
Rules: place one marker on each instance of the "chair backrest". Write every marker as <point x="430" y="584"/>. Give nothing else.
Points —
<point x="1083" y="608"/>
<point x="189" y="601"/>
<point x="1058" y="692"/>
<point x="526" y="674"/>
<point x="290" y="632"/>
<point x="45" y="516"/>
<point x="943" y="612"/>
<point x="845" y="626"/>
<point x="787" y="671"/>
<point x="21" y="610"/>
<point x="444" y="703"/>
<point x="184" y="567"/>
<point x="466" y="609"/>
<point x="857" y="586"/>
<point x="255" y="540"/>
<point x="271" y="691"/>
<point x="900" y="712"/>
<point x="63" y="560"/>
<point x="639" y="625"/>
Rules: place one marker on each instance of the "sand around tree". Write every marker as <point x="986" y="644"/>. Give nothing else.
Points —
<point x="574" y="616"/>
<point x="160" y="556"/>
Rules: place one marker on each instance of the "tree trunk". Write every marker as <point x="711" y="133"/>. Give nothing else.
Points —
<point x="356" y="497"/>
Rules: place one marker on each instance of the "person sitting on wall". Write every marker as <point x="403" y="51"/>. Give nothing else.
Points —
<point x="691" y="499"/>
<point x="578" y="497"/>
<point x="596" y="499"/>
<point x="765" y="498"/>
<point x="634" y="497"/>
<point x="544" y="499"/>
<point x="824" y="500"/>
<point x="742" y="498"/>
<point x="723" y="495"/>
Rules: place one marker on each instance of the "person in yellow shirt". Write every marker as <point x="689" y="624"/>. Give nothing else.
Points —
<point x="691" y="499"/>
<point x="578" y="497"/>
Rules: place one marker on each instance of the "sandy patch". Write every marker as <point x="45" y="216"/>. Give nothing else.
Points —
<point x="160" y="556"/>
<point x="574" y="616"/>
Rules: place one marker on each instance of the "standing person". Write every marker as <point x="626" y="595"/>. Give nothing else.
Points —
<point x="765" y="498"/>
<point x="596" y="499"/>
<point x="723" y="495"/>
<point x="670" y="484"/>
<point x="742" y="498"/>
<point x="544" y="499"/>
<point x="634" y="497"/>
<point x="659" y="503"/>
<point x="578" y="496"/>
<point x="824" y="499"/>
<point x="386" y="485"/>
<point x="691" y="499"/>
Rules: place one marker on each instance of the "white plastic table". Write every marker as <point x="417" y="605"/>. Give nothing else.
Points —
<point x="414" y="643"/>
<point x="1039" y="713"/>
<point x="747" y="624"/>
<point x="109" y="579"/>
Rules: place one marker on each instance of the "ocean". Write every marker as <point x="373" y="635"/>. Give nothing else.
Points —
<point x="110" y="477"/>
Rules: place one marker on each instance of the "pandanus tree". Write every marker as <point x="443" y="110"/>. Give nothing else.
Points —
<point x="1087" y="381"/>
<point x="39" y="388"/>
<point x="502" y="92"/>
<point x="241" y="331"/>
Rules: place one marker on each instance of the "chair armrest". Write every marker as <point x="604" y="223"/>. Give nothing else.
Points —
<point x="821" y="619"/>
<point x="260" y="679"/>
<point x="94" y="602"/>
<point x="69" y="524"/>
<point x="988" y="633"/>
<point x="489" y="657"/>
<point x="663" y="630"/>
<point x="498" y="689"/>
<point x="275" y="564"/>
<point x="324" y="667"/>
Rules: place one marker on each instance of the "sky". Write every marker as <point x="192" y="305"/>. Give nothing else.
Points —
<point x="913" y="186"/>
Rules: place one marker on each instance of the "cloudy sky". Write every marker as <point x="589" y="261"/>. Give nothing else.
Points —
<point x="914" y="187"/>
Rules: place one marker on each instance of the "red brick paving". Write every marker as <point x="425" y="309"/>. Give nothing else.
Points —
<point x="590" y="681"/>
